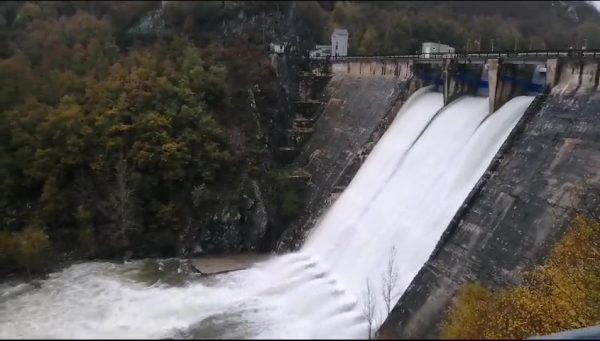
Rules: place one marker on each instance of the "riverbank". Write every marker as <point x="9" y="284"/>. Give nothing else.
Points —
<point x="205" y="265"/>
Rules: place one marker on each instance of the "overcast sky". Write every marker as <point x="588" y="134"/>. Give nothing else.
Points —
<point x="596" y="4"/>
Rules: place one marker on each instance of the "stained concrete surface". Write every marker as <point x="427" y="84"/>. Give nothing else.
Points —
<point x="350" y="119"/>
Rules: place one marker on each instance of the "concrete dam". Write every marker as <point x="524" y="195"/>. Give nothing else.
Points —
<point x="513" y="139"/>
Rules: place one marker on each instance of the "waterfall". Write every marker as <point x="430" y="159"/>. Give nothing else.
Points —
<point x="408" y="190"/>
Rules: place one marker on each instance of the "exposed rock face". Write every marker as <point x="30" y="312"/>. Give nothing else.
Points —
<point x="259" y="219"/>
<point x="352" y="117"/>
<point x="515" y="218"/>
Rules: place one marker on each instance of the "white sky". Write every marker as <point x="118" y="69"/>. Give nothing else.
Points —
<point x="596" y="4"/>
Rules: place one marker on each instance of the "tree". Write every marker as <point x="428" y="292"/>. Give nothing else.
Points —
<point x="389" y="282"/>
<point x="589" y="31"/>
<point x="34" y="245"/>
<point x="9" y="247"/>
<point x="368" y="308"/>
<point x="466" y="321"/>
<point x="369" y="42"/>
<point x="389" y="286"/>
<point x="563" y="293"/>
<point x="122" y="203"/>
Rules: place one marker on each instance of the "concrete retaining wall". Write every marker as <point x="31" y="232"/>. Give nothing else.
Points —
<point x="589" y="76"/>
<point x="569" y="78"/>
<point x="377" y="68"/>
<point x="507" y="81"/>
<point x="460" y="79"/>
<point x="576" y="77"/>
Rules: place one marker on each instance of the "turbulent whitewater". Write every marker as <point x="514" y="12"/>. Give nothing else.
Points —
<point x="402" y="199"/>
<point x="289" y="297"/>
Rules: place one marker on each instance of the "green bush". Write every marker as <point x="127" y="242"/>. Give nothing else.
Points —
<point x="28" y="248"/>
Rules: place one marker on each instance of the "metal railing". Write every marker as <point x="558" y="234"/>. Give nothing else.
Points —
<point x="595" y="53"/>
<point x="589" y="333"/>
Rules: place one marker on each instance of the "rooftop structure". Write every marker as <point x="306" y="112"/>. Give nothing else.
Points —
<point x="339" y="42"/>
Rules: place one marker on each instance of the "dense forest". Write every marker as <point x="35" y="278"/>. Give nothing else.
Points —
<point x="149" y="129"/>
<point x="110" y="149"/>
<point x="382" y="27"/>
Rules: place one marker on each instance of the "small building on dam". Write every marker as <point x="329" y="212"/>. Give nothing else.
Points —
<point x="338" y="47"/>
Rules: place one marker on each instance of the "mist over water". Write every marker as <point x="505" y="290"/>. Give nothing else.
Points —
<point x="404" y="195"/>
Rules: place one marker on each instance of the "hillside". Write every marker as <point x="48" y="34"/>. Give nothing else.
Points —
<point x="400" y="27"/>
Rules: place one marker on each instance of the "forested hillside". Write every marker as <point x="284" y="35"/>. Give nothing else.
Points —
<point x="400" y="26"/>
<point x="150" y="149"/>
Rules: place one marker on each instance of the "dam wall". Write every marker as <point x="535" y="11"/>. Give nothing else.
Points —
<point x="499" y="80"/>
<point x="401" y="69"/>
<point x="521" y="206"/>
<point x="461" y="79"/>
<point x="360" y="101"/>
<point x="506" y="81"/>
<point x="576" y="77"/>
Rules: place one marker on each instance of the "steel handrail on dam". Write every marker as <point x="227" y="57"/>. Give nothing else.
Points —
<point x="594" y="53"/>
<point x="589" y="333"/>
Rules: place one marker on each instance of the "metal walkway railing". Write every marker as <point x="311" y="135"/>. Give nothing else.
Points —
<point x="589" y="333"/>
<point x="595" y="53"/>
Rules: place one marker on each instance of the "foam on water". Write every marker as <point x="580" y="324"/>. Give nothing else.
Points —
<point x="404" y="195"/>
<point x="97" y="300"/>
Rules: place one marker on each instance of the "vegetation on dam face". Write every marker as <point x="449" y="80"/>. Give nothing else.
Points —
<point x="562" y="294"/>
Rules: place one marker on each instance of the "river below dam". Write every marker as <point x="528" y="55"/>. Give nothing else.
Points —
<point x="168" y="299"/>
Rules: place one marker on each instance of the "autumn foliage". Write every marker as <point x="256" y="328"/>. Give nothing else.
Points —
<point x="562" y="294"/>
<point x="101" y="145"/>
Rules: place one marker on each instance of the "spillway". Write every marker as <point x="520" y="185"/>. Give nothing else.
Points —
<point x="408" y="190"/>
<point x="401" y="199"/>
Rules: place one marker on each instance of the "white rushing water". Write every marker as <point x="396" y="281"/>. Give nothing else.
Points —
<point x="408" y="190"/>
<point x="289" y="297"/>
<point x="403" y="196"/>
